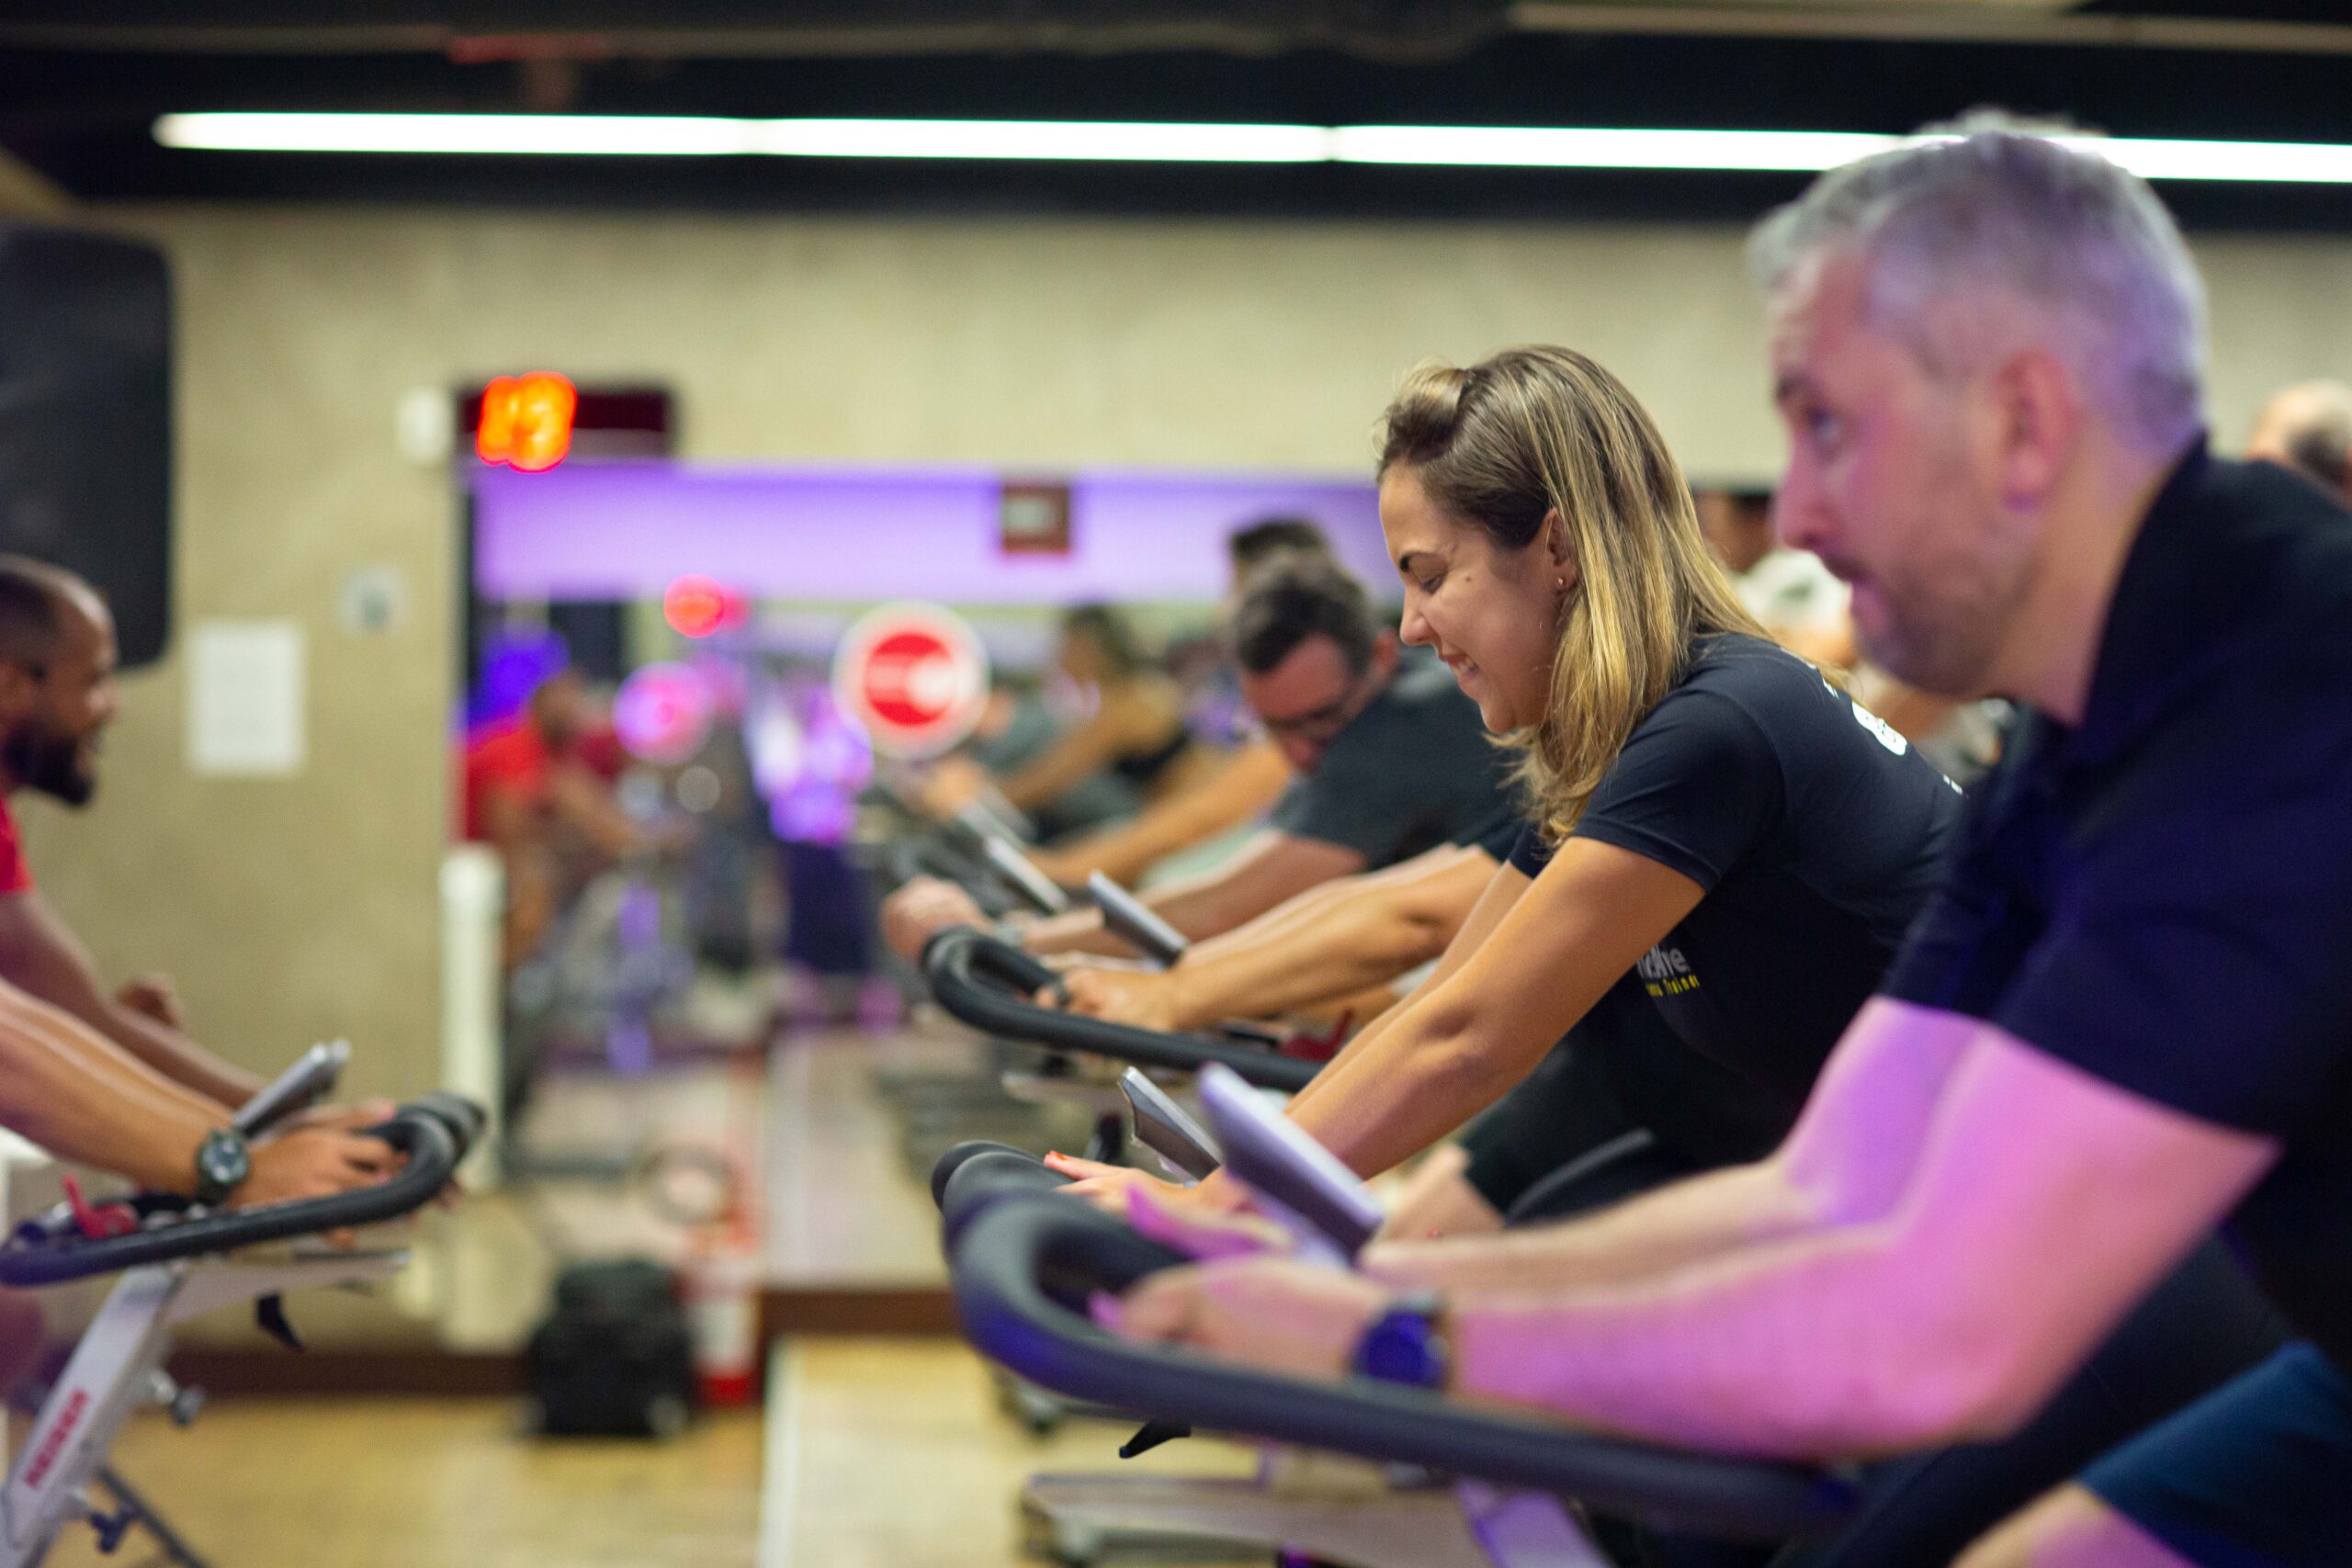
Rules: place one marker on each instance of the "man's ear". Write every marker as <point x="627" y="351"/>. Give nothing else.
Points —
<point x="1384" y="655"/>
<point x="1559" y="550"/>
<point x="2038" y="414"/>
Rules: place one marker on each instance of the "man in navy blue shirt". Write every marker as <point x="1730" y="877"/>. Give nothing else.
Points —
<point x="2125" y="1018"/>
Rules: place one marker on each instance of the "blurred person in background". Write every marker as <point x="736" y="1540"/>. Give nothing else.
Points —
<point x="2308" y="428"/>
<point x="1134" y="728"/>
<point x="1253" y="772"/>
<point x="1796" y="598"/>
<point x="539" y="789"/>
<point x="1387" y="762"/>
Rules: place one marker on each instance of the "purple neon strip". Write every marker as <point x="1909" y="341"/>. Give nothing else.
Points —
<point x="626" y="530"/>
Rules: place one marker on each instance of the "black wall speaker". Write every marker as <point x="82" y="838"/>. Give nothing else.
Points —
<point x="86" y="418"/>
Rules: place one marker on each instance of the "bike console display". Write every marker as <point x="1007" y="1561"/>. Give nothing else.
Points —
<point x="1282" y="1163"/>
<point x="1127" y="918"/>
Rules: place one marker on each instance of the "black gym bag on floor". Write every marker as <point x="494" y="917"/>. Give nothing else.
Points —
<point x="612" y="1358"/>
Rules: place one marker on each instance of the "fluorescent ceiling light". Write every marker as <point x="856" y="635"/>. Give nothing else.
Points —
<point x="1499" y="147"/>
<point x="1143" y="142"/>
<point x="668" y="136"/>
<point x="2287" y="162"/>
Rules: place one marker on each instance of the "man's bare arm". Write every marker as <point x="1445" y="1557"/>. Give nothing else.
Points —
<point x="40" y="954"/>
<point x="2044" y="1203"/>
<point x="1370" y="931"/>
<point x="1319" y="954"/>
<point x="83" y="1099"/>
<point x="1848" y="1160"/>
<point x="1272" y="867"/>
<point x="1245" y="784"/>
<point x="1466" y="1039"/>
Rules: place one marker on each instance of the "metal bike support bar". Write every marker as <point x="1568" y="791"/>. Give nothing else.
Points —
<point x="987" y="983"/>
<point x="1022" y="1270"/>
<point x="433" y="1133"/>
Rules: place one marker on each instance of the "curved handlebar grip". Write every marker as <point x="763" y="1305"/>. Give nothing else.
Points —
<point x="434" y="1134"/>
<point x="1024" y="1268"/>
<point x="983" y="1176"/>
<point x="987" y="983"/>
<point x="970" y="1149"/>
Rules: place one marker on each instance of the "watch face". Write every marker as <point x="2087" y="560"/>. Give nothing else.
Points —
<point x="223" y="1160"/>
<point x="1402" y="1348"/>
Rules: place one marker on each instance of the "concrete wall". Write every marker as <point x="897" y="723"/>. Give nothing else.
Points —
<point x="293" y="909"/>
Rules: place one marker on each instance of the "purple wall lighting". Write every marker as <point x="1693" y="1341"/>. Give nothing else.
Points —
<point x="627" y="530"/>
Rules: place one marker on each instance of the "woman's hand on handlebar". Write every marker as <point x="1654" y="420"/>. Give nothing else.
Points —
<point x="923" y="906"/>
<point x="1143" y="999"/>
<point x="1115" y="1188"/>
<point x="1203" y="1232"/>
<point x="1437" y="1200"/>
<point x="1107" y="1186"/>
<point x="1270" y="1312"/>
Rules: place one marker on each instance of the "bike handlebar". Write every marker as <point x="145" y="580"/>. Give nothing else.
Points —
<point x="1024" y="1266"/>
<point x="433" y="1133"/>
<point x="987" y="983"/>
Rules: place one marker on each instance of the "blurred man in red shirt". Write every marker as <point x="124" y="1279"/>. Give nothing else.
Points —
<point x="539" y="789"/>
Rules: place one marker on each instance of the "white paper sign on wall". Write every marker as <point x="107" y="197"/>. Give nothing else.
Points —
<point x="246" y="699"/>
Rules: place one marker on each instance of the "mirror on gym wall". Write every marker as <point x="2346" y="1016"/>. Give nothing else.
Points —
<point x="700" y="705"/>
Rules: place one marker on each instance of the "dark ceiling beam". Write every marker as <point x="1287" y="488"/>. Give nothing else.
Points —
<point x="1403" y="32"/>
<point x="1948" y="23"/>
<point x="1399" y="31"/>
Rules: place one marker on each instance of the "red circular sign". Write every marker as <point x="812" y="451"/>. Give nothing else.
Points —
<point x="914" y="676"/>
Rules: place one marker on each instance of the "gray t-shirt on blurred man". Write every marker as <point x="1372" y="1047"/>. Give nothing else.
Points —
<point x="1414" y="770"/>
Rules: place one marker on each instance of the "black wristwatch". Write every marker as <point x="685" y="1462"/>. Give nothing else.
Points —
<point x="222" y="1163"/>
<point x="1404" y="1344"/>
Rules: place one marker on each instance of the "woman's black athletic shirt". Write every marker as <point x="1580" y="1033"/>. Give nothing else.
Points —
<point x="1814" y="828"/>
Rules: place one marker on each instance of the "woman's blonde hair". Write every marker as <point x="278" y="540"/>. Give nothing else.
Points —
<point x="1502" y="445"/>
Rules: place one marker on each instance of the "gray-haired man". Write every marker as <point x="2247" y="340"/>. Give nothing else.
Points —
<point x="2126" y="1017"/>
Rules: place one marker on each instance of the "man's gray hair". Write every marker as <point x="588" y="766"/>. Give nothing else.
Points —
<point x="2029" y="208"/>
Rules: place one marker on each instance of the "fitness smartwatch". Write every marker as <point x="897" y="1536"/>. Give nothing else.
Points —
<point x="1404" y="1344"/>
<point x="222" y="1163"/>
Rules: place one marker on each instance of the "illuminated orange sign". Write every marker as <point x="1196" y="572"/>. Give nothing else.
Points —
<point x="526" y="420"/>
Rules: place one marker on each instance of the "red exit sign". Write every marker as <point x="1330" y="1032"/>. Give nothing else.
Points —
<point x="534" y="420"/>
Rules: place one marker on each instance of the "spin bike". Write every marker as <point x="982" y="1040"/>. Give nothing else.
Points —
<point x="1463" y="1488"/>
<point x="178" y="1262"/>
